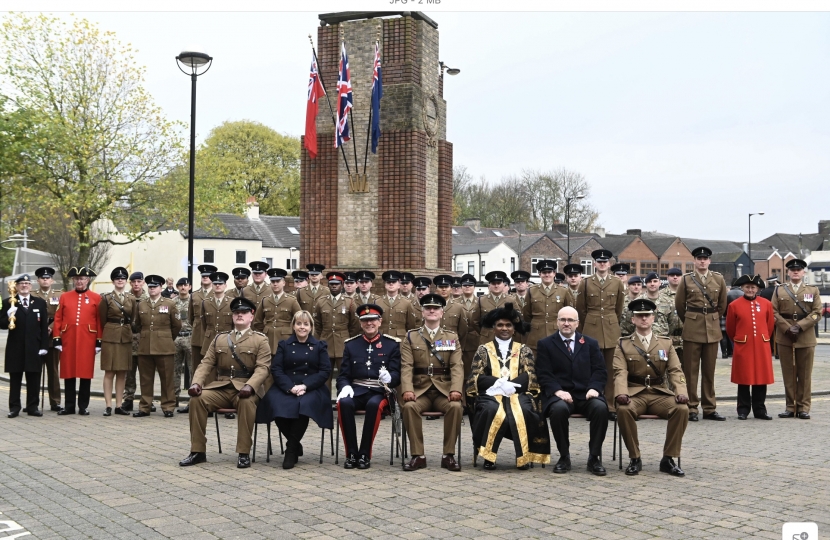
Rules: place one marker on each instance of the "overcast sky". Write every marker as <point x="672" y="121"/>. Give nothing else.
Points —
<point x="681" y="122"/>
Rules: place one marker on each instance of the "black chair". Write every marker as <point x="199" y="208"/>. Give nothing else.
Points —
<point x="385" y="411"/>
<point x="641" y="417"/>
<point x="322" y="441"/>
<point x="253" y="454"/>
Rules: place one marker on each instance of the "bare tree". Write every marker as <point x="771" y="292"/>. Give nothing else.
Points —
<point x="548" y="192"/>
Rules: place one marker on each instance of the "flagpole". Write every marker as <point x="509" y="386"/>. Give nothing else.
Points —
<point x="328" y="100"/>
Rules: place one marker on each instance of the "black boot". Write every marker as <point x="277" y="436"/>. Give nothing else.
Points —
<point x="290" y="457"/>
<point x="127" y="405"/>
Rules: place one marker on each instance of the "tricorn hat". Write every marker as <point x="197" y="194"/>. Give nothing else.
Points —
<point x="746" y="279"/>
<point x="506" y="312"/>
<point x="82" y="271"/>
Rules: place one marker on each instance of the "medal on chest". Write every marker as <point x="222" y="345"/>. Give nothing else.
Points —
<point x="808" y="297"/>
<point x="163" y="309"/>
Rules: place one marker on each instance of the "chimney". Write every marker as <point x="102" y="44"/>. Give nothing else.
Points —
<point x="519" y="226"/>
<point x="599" y="231"/>
<point x="252" y="212"/>
<point x="474" y="224"/>
<point x="824" y="227"/>
<point x="634" y="232"/>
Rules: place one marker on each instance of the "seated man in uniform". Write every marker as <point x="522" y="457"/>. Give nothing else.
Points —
<point x="241" y="362"/>
<point x="432" y="378"/>
<point x="371" y="364"/>
<point x="648" y="379"/>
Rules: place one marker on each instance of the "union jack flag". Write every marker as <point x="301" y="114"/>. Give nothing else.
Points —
<point x="344" y="100"/>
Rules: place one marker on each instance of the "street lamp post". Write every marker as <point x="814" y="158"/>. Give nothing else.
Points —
<point x="197" y="63"/>
<point x="568" y="219"/>
<point x="749" y="244"/>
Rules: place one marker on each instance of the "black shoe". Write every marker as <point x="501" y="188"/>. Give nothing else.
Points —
<point x="34" y="412"/>
<point x="290" y="459"/>
<point x="350" y="463"/>
<point x="243" y="461"/>
<point x="524" y="467"/>
<point x="634" y="466"/>
<point x="693" y="417"/>
<point x="595" y="466"/>
<point x="299" y="450"/>
<point x="65" y="412"/>
<point x="763" y="416"/>
<point x="152" y="408"/>
<point x="83" y="412"/>
<point x="121" y="412"/>
<point x="489" y="465"/>
<point x="168" y="414"/>
<point x="563" y="465"/>
<point x="183" y="410"/>
<point x="786" y="414"/>
<point x="612" y="416"/>
<point x="193" y="458"/>
<point x="804" y="415"/>
<point x="127" y="405"/>
<point x="55" y="408"/>
<point x="364" y="462"/>
<point x="667" y="465"/>
<point x="140" y="414"/>
<point x="714" y="416"/>
<point x="14" y="414"/>
<point x="741" y="416"/>
<point x="230" y="416"/>
<point x="108" y="412"/>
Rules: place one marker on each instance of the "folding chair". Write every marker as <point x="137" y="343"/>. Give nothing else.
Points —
<point x="641" y="417"/>
<point x="253" y="456"/>
<point x="322" y="441"/>
<point x="428" y="415"/>
<point x="384" y="411"/>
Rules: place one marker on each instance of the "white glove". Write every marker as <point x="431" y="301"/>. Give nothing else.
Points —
<point x="509" y="387"/>
<point x="496" y="389"/>
<point x="59" y="347"/>
<point x="346" y="392"/>
<point x="12" y="310"/>
<point x="384" y="376"/>
<point x="42" y="352"/>
<point x="97" y="350"/>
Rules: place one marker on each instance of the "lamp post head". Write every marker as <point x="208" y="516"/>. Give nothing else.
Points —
<point x="448" y="69"/>
<point x="195" y="60"/>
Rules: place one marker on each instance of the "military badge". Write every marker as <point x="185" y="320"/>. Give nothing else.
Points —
<point x="663" y="355"/>
<point x="54" y="301"/>
<point x="808" y="297"/>
<point x="163" y="309"/>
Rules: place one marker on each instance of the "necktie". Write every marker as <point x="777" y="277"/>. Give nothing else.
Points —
<point x="314" y="290"/>
<point x="645" y="341"/>
<point x="602" y="281"/>
<point x="238" y="335"/>
<point x="568" y="344"/>
<point x="432" y="334"/>
<point x="26" y="302"/>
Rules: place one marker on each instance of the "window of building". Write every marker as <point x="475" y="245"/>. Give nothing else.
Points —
<point x="587" y="266"/>
<point x="677" y="265"/>
<point x="241" y="256"/>
<point x="471" y="268"/>
<point x="293" y="230"/>
<point x="459" y="267"/>
<point x="268" y="260"/>
<point x="690" y="267"/>
<point x="632" y="267"/>
<point x="664" y="269"/>
<point x="512" y="264"/>
<point x="647" y="267"/>
<point x="498" y="233"/>
<point x="207" y="256"/>
<point x="533" y="261"/>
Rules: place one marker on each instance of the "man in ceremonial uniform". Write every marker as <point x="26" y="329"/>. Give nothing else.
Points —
<point x="273" y="316"/>
<point x="181" y="360"/>
<point x="700" y="303"/>
<point x="498" y="285"/>
<point x="521" y="279"/>
<point x="573" y="277"/>
<point x="797" y="309"/>
<point x="407" y="282"/>
<point x="350" y="285"/>
<point x="239" y="365"/>
<point x="257" y="290"/>
<point x="469" y="302"/>
<point x="194" y="317"/>
<point x="666" y="304"/>
<point x="158" y="325"/>
<point x="138" y="293"/>
<point x="432" y="379"/>
<point x="365" y="280"/>
<point x="53" y="357"/>
<point x="454" y="318"/>
<point x="543" y="304"/>
<point x="648" y="380"/>
<point x="634" y="291"/>
<point x="334" y="319"/>
<point x="400" y="313"/>
<point x="26" y="345"/>
<point x="600" y="304"/>
<point x="371" y="361"/>
<point x="240" y="282"/>
<point x="308" y="296"/>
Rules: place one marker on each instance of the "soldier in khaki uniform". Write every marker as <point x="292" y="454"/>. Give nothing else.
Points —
<point x="666" y="303"/>
<point x="573" y="277"/>
<point x="543" y="304"/>
<point x="138" y="293"/>
<point x="633" y="292"/>
<point x="117" y="311"/>
<point x="335" y="320"/>
<point x="700" y="303"/>
<point x="239" y="365"/>
<point x="181" y="360"/>
<point x="53" y="357"/>
<point x="455" y="318"/>
<point x="257" y="290"/>
<point x="600" y="303"/>
<point x="274" y="314"/>
<point x="797" y="309"/>
<point x="456" y="287"/>
<point x="300" y="282"/>
<point x="240" y="283"/>
<point x="498" y="285"/>
<point x="621" y="271"/>
<point x="432" y="379"/>
<point x="407" y="284"/>
<point x="194" y="313"/>
<point x="399" y="315"/>
<point x="648" y="380"/>
<point x="422" y="285"/>
<point x="308" y="296"/>
<point x="365" y="280"/>
<point x="469" y="303"/>
<point x="158" y="325"/>
<point x="350" y="285"/>
<point x="521" y="282"/>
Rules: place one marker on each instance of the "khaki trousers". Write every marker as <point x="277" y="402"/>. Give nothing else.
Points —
<point x="226" y="397"/>
<point x="609" y="384"/>
<point x="699" y="361"/>
<point x="53" y="376"/>
<point x="147" y="367"/>
<point x="431" y="401"/>
<point x="797" y="370"/>
<point x="663" y="405"/>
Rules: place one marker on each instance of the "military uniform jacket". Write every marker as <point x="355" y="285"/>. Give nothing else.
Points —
<point x="398" y="316"/>
<point x="667" y="305"/>
<point x="486" y="304"/>
<point x="631" y="368"/>
<point x="53" y="299"/>
<point x="360" y="300"/>
<point x="455" y="320"/>
<point x="256" y="295"/>
<point x="599" y="307"/>
<point x="184" y="310"/>
<point x="158" y="325"/>
<point x="788" y="313"/>
<point x="701" y="320"/>
<point x="236" y="293"/>
<point x="253" y="351"/>
<point x="542" y="310"/>
<point x="194" y="316"/>
<point x="273" y="317"/>
<point x="470" y="340"/>
<point x="215" y="318"/>
<point x="30" y="335"/>
<point x="335" y="321"/>
<point x="117" y="324"/>
<point x="415" y="354"/>
<point x="307" y="299"/>
<point x="363" y="360"/>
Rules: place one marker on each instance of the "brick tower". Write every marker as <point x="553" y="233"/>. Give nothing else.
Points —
<point x="401" y="217"/>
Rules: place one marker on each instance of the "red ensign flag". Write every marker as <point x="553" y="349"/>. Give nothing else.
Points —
<point x="315" y="92"/>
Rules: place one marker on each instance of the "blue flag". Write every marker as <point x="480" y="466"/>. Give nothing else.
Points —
<point x="377" y="94"/>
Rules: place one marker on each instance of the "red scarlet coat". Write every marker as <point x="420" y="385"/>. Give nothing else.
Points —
<point x="78" y="325"/>
<point x="750" y="324"/>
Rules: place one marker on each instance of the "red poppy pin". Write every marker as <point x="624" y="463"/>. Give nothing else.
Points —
<point x="582" y="340"/>
<point x="379" y="345"/>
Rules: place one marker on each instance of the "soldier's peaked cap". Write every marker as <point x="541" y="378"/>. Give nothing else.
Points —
<point x="314" y="268"/>
<point x="369" y="311"/>
<point x="620" y="268"/>
<point x="642" y="305"/>
<point x="701" y="251"/>
<point x="45" y="271"/>
<point x="365" y="275"/>
<point x="119" y="272"/>
<point x="219" y="277"/>
<point x="422" y="282"/>
<point x="240" y="303"/>
<point x="154" y="280"/>
<point x="796" y="264"/>
<point x="520" y="275"/>
<point x="602" y="254"/>
<point x="407" y="277"/>
<point x="299" y="275"/>
<point x="497" y="275"/>
<point x="573" y="269"/>
<point x="559" y="277"/>
<point x="546" y="265"/>
<point x="207" y="269"/>
<point x="391" y="275"/>
<point x="240" y="272"/>
<point x="351" y="277"/>
<point x="444" y="280"/>
<point x="336" y="277"/>
<point x="468" y="279"/>
<point x="259" y="266"/>
<point x="276" y="273"/>
<point x="433" y="300"/>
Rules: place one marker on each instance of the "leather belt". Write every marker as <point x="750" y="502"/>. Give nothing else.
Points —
<point x="703" y="310"/>
<point x="232" y="373"/>
<point x="647" y="381"/>
<point x="793" y="316"/>
<point x="431" y="371"/>
<point x="119" y="321"/>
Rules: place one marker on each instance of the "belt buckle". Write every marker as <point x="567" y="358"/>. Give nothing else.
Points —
<point x="704" y="311"/>
<point x="429" y="370"/>
<point x="648" y="381"/>
<point x="231" y="372"/>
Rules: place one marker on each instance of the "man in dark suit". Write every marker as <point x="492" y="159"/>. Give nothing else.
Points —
<point x="571" y="371"/>
<point x="26" y="345"/>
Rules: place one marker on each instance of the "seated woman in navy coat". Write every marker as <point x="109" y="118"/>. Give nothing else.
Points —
<point x="300" y="367"/>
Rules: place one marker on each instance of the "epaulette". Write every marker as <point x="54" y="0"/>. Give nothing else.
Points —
<point x="225" y="332"/>
<point x="258" y="333"/>
<point x="351" y="338"/>
<point x="398" y="340"/>
<point x="716" y="273"/>
<point x="448" y="331"/>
